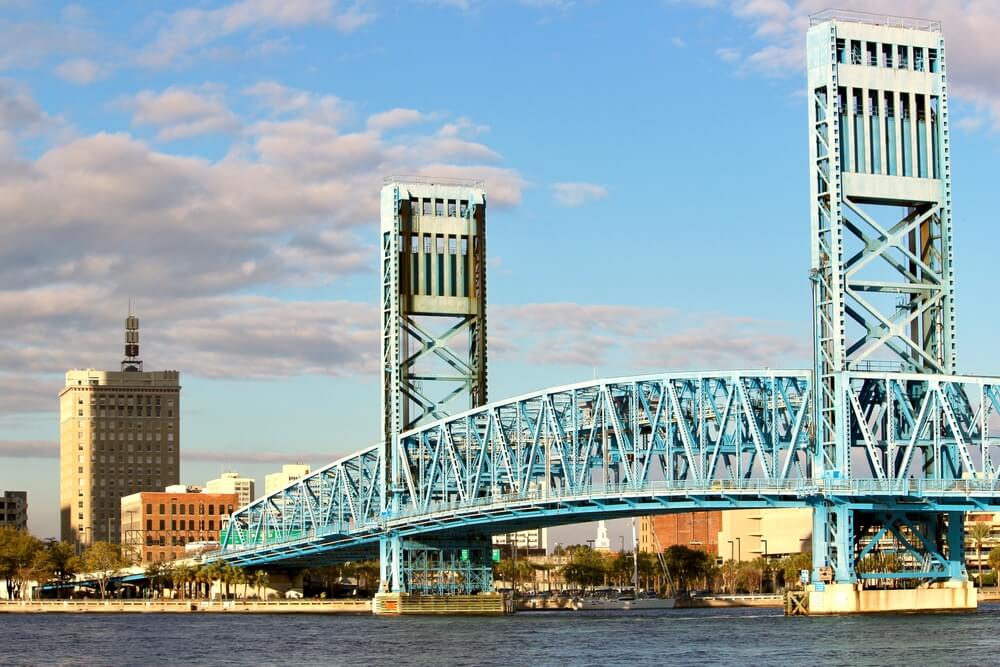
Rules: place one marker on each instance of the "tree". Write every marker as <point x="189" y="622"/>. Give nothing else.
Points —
<point x="242" y="577"/>
<point x="158" y="574"/>
<point x="211" y="573"/>
<point x="585" y="568"/>
<point x="62" y="561"/>
<point x="181" y="576"/>
<point x="227" y="575"/>
<point x="979" y="532"/>
<point x="366" y="573"/>
<point x="104" y="561"/>
<point x="751" y="575"/>
<point x="687" y="566"/>
<point x="260" y="580"/>
<point x="730" y="573"/>
<point x="18" y="552"/>
<point x="994" y="558"/>
<point x="791" y="567"/>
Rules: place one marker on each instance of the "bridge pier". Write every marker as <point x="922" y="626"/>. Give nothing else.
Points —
<point x="460" y="565"/>
<point x="856" y="599"/>
<point x="864" y="555"/>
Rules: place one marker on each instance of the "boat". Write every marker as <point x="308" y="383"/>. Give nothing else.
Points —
<point x="610" y="599"/>
<point x="622" y="603"/>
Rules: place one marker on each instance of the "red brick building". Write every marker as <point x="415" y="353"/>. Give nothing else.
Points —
<point x="157" y="526"/>
<point x="695" y="530"/>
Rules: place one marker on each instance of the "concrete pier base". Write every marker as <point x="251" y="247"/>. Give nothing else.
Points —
<point x="854" y="599"/>
<point x="400" y="604"/>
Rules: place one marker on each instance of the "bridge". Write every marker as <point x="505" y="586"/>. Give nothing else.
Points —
<point x="881" y="438"/>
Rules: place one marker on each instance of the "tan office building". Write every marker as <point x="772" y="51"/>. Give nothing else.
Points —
<point x="233" y="482"/>
<point x="119" y="433"/>
<point x="290" y="472"/>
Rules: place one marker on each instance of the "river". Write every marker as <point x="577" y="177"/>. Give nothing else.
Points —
<point x="539" y="639"/>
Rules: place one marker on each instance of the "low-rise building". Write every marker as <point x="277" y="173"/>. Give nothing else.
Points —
<point x="740" y="535"/>
<point x="233" y="482"/>
<point x="156" y="526"/>
<point x="14" y="510"/>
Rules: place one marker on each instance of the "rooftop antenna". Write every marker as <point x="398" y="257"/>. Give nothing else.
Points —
<point x="131" y="362"/>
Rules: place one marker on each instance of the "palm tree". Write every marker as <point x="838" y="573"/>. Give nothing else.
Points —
<point x="180" y="576"/>
<point x="260" y="581"/>
<point x="227" y="574"/>
<point x="979" y="532"/>
<point x="241" y="576"/>
<point x="211" y="573"/>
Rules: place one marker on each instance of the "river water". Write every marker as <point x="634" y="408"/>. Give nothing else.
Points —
<point x="539" y="639"/>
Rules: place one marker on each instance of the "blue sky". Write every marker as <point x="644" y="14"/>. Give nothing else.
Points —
<point x="219" y="163"/>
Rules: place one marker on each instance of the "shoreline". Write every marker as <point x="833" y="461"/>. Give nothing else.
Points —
<point x="185" y="606"/>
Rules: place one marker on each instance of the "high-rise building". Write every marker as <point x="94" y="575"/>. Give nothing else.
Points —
<point x="290" y="472"/>
<point x="159" y="526"/>
<point x="233" y="482"/>
<point x="119" y="433"/>
<point x="14" y="510"/>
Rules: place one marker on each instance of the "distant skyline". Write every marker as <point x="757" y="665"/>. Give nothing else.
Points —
<point x="219" y="164"/>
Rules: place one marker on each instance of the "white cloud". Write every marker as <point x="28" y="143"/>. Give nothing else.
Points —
<point x="280" y="100"/>
<point x="577" y="194"/>
<point x="728" y="54"/>
<point x="640" y="338"/>
<point x="195" y="242"/>
<point x="181" y="113"/>
<point x="80" y="71"/>
<point x="394" y="118"/>
<point x="190" y="29"/>
<point x="28" y="44"/>
<point x="970" y="28"/>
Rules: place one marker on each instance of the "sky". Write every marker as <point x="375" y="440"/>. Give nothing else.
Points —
<point x="219" y="163"/>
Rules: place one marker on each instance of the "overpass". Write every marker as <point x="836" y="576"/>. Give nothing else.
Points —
<point x="881" y="438"/>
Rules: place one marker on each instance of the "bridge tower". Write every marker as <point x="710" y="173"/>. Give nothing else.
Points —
<point x="882" y="274"/>
<point x="433" y="355"/>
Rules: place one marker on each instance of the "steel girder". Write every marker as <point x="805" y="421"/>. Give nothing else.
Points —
<point x="689" y="427"/>
<point x="342" y="499"/>
<point x="646" y="445"/>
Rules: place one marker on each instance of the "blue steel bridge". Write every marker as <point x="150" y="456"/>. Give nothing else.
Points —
<point x="881" y="438"/>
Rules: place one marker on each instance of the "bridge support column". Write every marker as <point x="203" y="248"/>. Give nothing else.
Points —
<point x="833" y="540"/>
<point x="437" y="576"/>
<point x="888" y="560"/>
<point x="437" y="566"/>
<point x="390" y="564"/>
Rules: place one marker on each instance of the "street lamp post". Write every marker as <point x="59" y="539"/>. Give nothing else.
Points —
<point x="739" y="553"/>
<point x="763" y="546"/>
<point x="731" y="555"/>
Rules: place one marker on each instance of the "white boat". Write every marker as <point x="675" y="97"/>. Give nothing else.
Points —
<point x="622" y="603"/>
<point x="611" y="600"/>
